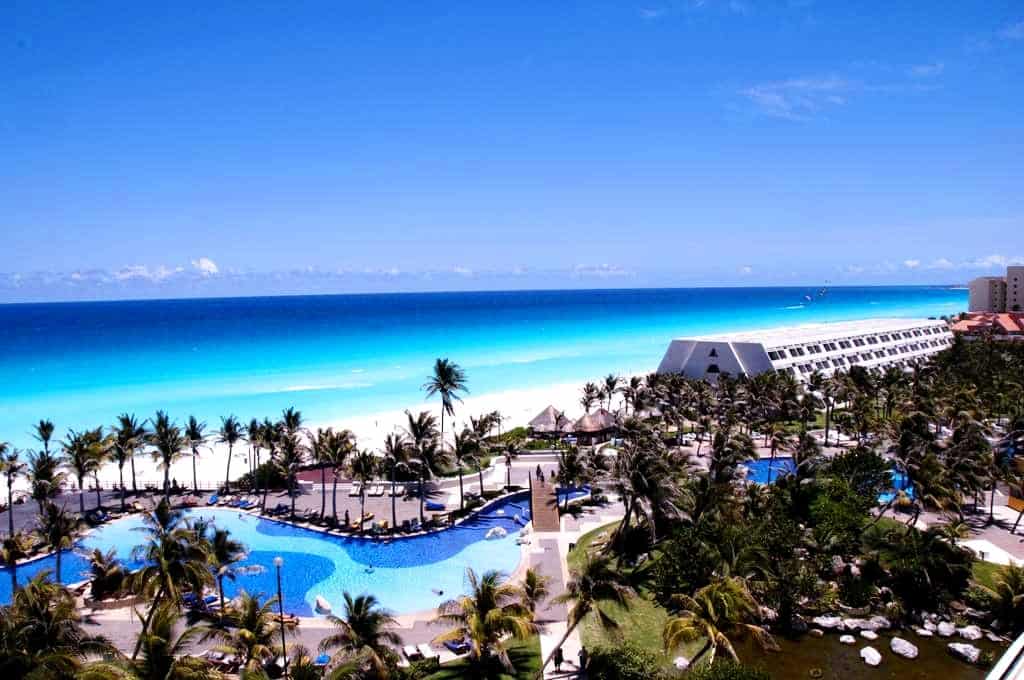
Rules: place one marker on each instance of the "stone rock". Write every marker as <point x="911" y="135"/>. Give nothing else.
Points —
<point x="827" y="622"/>
<point x="837" y="565"/>
<point x="924" y="632"/>
<point x="905" y="649"/>
<point x="962" y="650"/>
<point x="854" y="624"/>
<point x="768" y="614"/>
<point x="869" y="635"/>
<point x="871" y="656"/>
<point x="992" y="637"/>
<point x="816" y="632"/>
<point x="970" y="632"/>
<point x="681" y="663"/>
<point x="930" y="626"/>
<point x="848" y="639"/>
<point x="879" y="623"/>
<point x="946" y="629"/>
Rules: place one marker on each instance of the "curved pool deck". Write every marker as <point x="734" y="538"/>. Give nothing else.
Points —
<point x="407" y="574"/>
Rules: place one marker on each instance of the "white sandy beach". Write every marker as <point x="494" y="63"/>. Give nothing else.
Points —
<point x="517" y="407"/>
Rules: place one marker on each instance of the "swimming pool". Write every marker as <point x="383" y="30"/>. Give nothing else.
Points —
<point x="406" y="574"/>
<point x="757" y="471"/>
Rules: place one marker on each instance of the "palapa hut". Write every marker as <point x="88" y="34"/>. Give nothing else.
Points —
<point x="595" y="427"/>
<point x="550" y="423"/>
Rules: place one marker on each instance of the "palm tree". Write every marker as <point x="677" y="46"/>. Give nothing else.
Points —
<point x="291" y="420"/>
<point x="169" y="444"/>
<point x="364" y="468"/>
<point x="82" y="456"/>
<point x="43" y="433"/>
<point x="336" y="448"/>
<point x="422" y="432"/>
<point x="464" y="451"/>
<point x="129" y="436"/>
<point x="250" y="630"/>
<point x="271" y="435"/>
<point x="175" y="560"/>
<point x="11" y="550"/>
<point x="230" y="433"/>
<point x="448" y="379"/>
<point x="718" y="613"/>
<point x="1008" y="598"/>
<point x="779" y="440"/>
<point x="225" y="556"/>
<point x="45" y="477"/>
<point x="41" y="633"/>
<point x="610" y="388"/>
<point x="253" y="433"/>
<point x="195" y="436"/>
<point x="362" y="635"/>
<point x="591" y="394"/>
<point x="12" y="467"/>
<point x="106" y="573"/>
<point x="396" y="455"/>
<point x="58" y="530"/>
<point x="291" y="459"/>
<point x="535" y="589"/>
<point x="596" y="582"/>
<point x="485" y="618"/>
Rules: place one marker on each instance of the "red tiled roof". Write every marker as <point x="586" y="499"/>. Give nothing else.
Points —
<point x="1011" y="323"/>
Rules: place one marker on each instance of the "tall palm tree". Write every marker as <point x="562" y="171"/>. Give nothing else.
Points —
<point x="291" y="420"/>
<point x="465" y="451"/>
<point x="319" y="447"/>
<point x="168" y="444"/>
<point x="718" y="613"/>
<point x="129" y="437"/>
<point x="423" y="435"/>
<point x="448" y="379"/>
<point x="362" y="635"/>
<point x="364" y="467"/>
<point x="271" y="435"/>
<point x="106" y="574"/>
<point x="291" y="459"/>
<point x="610" y="388"/>
<point x="41" y="633"/>
<point x="175" y="561"/>
<point x="230" y="433"/>
<point x="337" y="446"/>
<point x="534" y="590"/>
<point x="11" y="550"/>
<point x="43" y="432"/>
<point x="12" y="467"/>
<point x="591" y="394"/>
<point x="250" y="630"/>
<point x="225" y="555"/>
<point x="45" y="477"/>
<point x="81" y="456"/>
<point x="253" y="435"/>
<point x="195" y="436"/>
<point x="778" y="440"/>
<point x="486" y="617"/>
<point x="596" y="582"/>
<point x="58" y="530"/>
<point x="395" y="456"/>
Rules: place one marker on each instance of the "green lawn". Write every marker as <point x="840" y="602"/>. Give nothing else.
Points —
<point x="525" y="655"/>
<point x="641" y="623"/>
<point x="986" y="573"/>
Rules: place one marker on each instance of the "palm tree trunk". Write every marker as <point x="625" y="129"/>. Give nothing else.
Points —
<point x="195" y="481"/>
<point x="220" y="591"/>
<point x="421" y="498"/>
<point x="14" y="578"/>
<point x="992" y="504"/>
<point x="58" y="566"/>
<point x="323" y="491"/>
<point x="394" y="511"/>
<point x="96" y="481"/>
<point x="462" y="498"/>
<point x="480" y="471"/>
<point x="362" y="506"/>
<point x="227" y="473"/>
<point x="135" y="489"/>
<point x="10" y="510"/>
<point x="120" y="474"/>
<point x="291" y="494"/>
<point x="334" y="497"/>
<point x="565" y="636"/>
<point x="771" y="464"/>
<point x="81" y="495"/>
<point x="828" y="421"/>
<point x="167" y="481"/>
<point x="145" y="622"/>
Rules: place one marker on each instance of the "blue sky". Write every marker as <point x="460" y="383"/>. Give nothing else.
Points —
<point x="266" y="147"/>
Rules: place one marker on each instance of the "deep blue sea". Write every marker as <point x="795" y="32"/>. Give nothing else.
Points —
<point x="81" y="364"/>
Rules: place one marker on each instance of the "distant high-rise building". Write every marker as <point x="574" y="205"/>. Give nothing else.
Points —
<point x="998" y="293"/>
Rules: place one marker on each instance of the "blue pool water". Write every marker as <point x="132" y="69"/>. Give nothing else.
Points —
<point x="757" y="471"/>
<point x="405" y="572"/>
<point x="81" y="364"/>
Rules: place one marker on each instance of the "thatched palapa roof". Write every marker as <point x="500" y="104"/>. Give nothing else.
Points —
<point x="598" y="421"/>
<point x="550" y="420"/>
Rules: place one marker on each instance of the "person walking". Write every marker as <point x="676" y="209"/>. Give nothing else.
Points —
<point x="559" y="658"/>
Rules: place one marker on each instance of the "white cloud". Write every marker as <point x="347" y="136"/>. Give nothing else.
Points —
<point x="853" y="269"/>
<point x="940" y="263"/>
<point x="142" y="272"/>
<point x="911" y="264"/>
<point x="746" y="270"/>
<point x="600" y="270"/>
<point x="462" y="271"/>
<point x="1013" y="31"/>
<point x="991" y="261"/>
<point x="927" y="70"/>
<point x="798" y="98"/>
<point x="205" y="266"/>
<point x="651" y="13"/>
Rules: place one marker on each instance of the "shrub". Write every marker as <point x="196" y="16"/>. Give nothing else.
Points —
<point x="688" y="559"/>
<point x="624" y="662"/>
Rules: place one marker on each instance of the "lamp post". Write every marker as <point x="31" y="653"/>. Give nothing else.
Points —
<point x="278" y="563"/>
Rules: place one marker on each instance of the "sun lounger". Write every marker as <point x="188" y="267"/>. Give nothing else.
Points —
<point x="457" y="647"/>
<point x="213" y="500"/>
<point x="366" y="518"/>
<point x="322" y="660"/>
<point x="398" y="490"/>
<point x="434" y="507"/>
<point x="378" y="490"/>
<point x="354" y="491"/>
<point x="426" y="652"/>
<point x="412" y="653"/>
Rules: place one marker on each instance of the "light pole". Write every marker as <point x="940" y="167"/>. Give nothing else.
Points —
<point x="279" y="562"/>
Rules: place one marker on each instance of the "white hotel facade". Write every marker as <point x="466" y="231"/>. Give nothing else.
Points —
<point x="802" y="350"/>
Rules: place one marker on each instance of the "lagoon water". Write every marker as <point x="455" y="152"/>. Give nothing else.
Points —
<point x="81" y="364"/>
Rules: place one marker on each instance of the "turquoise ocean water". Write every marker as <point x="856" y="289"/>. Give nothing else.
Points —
<point x="80" y="364"/>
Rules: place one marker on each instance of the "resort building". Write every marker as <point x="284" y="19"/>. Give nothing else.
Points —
<point x="998" y="293"/>
<point x="1008" y="326"/>
<point x="803" y="350"/>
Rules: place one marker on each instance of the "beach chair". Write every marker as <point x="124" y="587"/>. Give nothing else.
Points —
<point x="354" y="491"/>
<point x="378" y="490"/>
<point x="457" y="647"/>
<point x="212" y="500"/>
<point x="426" y="652"/>
<point x="399" y="490"/>
<point x="412" y="653"/>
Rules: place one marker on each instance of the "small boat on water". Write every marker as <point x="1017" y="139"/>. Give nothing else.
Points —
<point x="322" y="605"/>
